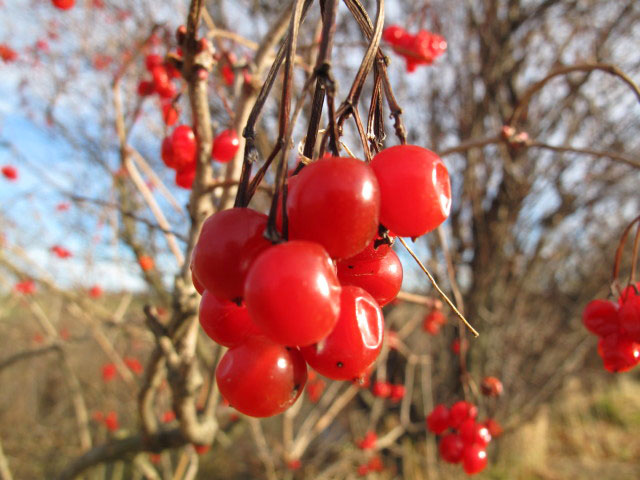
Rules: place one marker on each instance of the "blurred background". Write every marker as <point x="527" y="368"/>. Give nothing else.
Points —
<point x="531" y="239"/>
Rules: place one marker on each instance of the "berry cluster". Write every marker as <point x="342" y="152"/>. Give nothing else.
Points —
<point x="466" y="439"/>
<point x="162" y="73"/>
<point x="419" y="49"/>
<point x="618" y="326"/>
<point x="433" y="321"/>
<point x="281" y="307"/>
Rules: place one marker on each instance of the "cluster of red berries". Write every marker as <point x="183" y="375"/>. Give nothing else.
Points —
<point x="63" y="4"/>
<point x="394" y="392"/>
<point x="466" y="439"/>
<point x="9" y="172"/>
<point x="433" y="321"/>
<point x="281" y="307"/>
<point x="419" y="49"/>
<point x="162" y="73"/>
<point x="110" y="420"/>
<point x="179" y="152"/>
<point x="618" y="326"/>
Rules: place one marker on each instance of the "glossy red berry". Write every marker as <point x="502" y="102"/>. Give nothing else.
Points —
<point x="184" y="146"/>
<point x="460" y="411"/>
<point x="394" y="34"/>
<point x="293" y="294"/>
<point x="229" y="242"/>
<point x="491" y="387"/>
<point x="415" y="193"/>
<point x="260" y="378"/>
<point x="10" y="172"/>
<point x="381" y="277"/>
<point x="196" y="283"/>
<point x="152" y="60"/>
<point x="619" y="353"/>
<point x="397" y="392"/>
<point x="374" y="250"/>
<point x="601" y="317"/>
<point x="185" y="176"/>
<point x="451" y="448"/>
<point x="474" y="459"/>
<point x="355" y="341"/>
<point x="381" y="389"/>
<point x="369" y="441"/>
<point x="433" y="321"/>
<point x="336" y="202"/>
<point x="224" y="321"/>
<point x="225" y="146"/>
<point x="63" y="4"/>
<point x="472" y="432"/>
<point x="438" y="419"/>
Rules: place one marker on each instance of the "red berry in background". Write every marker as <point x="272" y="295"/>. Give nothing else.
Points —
<point x="433" y="321"/>
<point x="355" y="341"/>
<point x="185" y="176"/>
<point x="474" y="459"/>
<point x="629" y="314"/>
<point x="457" y="346"/>
<point x="111" y="421"/>
<point x="229" y="242"/>
<point x="393" y="34"/>
<point x="601" y="317"/>
<point x="227" y="74"/>
<point x="336" y="202"/>
<point x="145" y="88"/>
<point x="451" y="448"/>
<point x="491" y="387"/>
<point x="438" y="419"/>
<point x="61" y="252"/>
<point x="225" y="146"/>
<point x="375" y="464"/>
<point x="95" y="291"/>
<point x="415" y="192"/>
<point x="293" y="294"/>
<point x="169" y="114"/>
<point x="134" y="365"/>
<point x="63" y="4"/>
<point x="9" y="172"/>
<point x="168" y="416"/>
<point x="109" y="372"/>
<point x="495" y="429"/>
<point x="167" y="153"/>
<point x="152" y="60"/>
<point x="315" y="389"/>
<point x="172" y="71"/>
<point x="381" y="389"/>
<point x="146" y="263"/>
<point x="472" y="432"/>
<point x="397" y="392"/>
<point x="184" y="146"/>
<point x="294" y="464"/>
<point x="460" y="411"/>
<point x="160" y="77"/>
<point x="7" y="54"/>
<point x="381" y="277"/>
<point x="201" y="449"/>
<point x="260" y="378"/>
<point x="363" y="470"/>
<point x="26" y="287"/>
<point x="369" y="441"/>
<point x="225" y="322"/>
<point x="619" y="353"/>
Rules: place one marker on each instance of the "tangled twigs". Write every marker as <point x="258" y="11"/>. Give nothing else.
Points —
<point x="438" y="289"/>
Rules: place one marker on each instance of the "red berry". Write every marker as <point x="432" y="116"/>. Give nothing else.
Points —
<point x="111" y="421"/>
<point x="196" y="283"/>
<point x="225" y="146"/>
<point x="373" y="251"/>
<point x="433" y="321"/>
<point x="27" y="287"/>
<point x="134" y="365"/>
<point x="335" y="202"/>
<point x="393" y="34"/>
<point x="315" y="389"/>
<point x="169" y="114"/>
<point x="619" y="353"/>
<point x="152" y="60"/>
<point x="375" y="464"/>
<point x="146" y="263"/>
<point x="227" y="74"/>
<point x="629" y="315"/>
<point x="293" y="294"/>
<point x="494" y="427"/>
<point x="474" y="433"/>
<point x="260" y="378"/>
<point x="224" y="321"/>
<point x="109" y="372"/>
<point x="451" y="448"/>
<point x="381" y="277"/>
<point x="145" y="88"/>
<point x="160" y="77"/>
<point x="229" y="242"/>
<point x="63" y="4"/>
<point x="474" y="459"/>
<point x="167" y="153"/>
<point x="185" y="176"/>
<point x="438" y="419"/>
<point x="184" y="146"/>
<point x="363" y="470"/>
<point x="601" y="317"/>
<point x="355" y="341"/>
<point x="491" y="387"/>
<point x="10" y="172"/>
<point x="95" y="291"/>
<point x="415" y="193"/>
<point x="381" y="389"/>
<point x="397" y="392"/>
<point x="201" y="449"/>
<point x="369" y="441"/>
<point x="460" y="411"/>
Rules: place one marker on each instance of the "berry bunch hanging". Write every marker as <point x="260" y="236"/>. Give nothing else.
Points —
<point x="419" y="49"/>
<point x="279" y="307"/>
<point x="462" y="438"/>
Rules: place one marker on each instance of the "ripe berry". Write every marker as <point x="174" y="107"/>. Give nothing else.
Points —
<point x="374" y="250"/>
<point x="63" y="4"/>
<point x="224" y="321"/>
<point x="109" y="372"/>
<point x="260" y="378"/>
<point x="619" y="353"/>
<point x="438" y="419"/>
<point x="393" y="34"/>
<point x="474" y="459"/>
<point x="95" y="291"/>
<point x="415" y="193"/>
<point x="196" y="283"/>
<point x="152" y="60"/>
<point x="293" y="294"/>
<point x="355" y="341"/>
<point x="167" y="153"/>
<point x="451" y="448"/>
<point x="601" y="317"/>
<point x="433" y="321"/>
<point x="629" y="315"/>
<point x="381" y="389"/>
<point x="335" y="202"/>
<point x="146" y="263"/>
<point x="381" y="277"/>
<point x="397" y="392"/>
<point x="474" y="433"/>
<point x="369" y="441"/>
<point x="225" y="146"/>
<point x="145" y="88"/>
<point x="184" y="146"/>
<point x="185" y="176"/>
<point x="491" y="387"/>
<point x="111" y="421"/>
<point x="460" y="411"/>
<point x="229" y="242"/>
<point x="315" y="389"/>
<point x="495" y="429"/>
<point x="169" y="114"/>
<point x="10" y="172"/>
